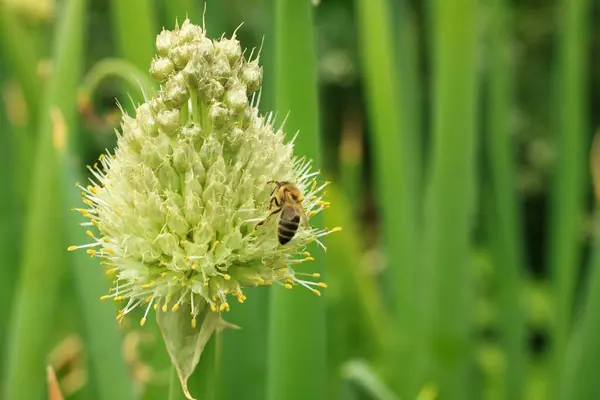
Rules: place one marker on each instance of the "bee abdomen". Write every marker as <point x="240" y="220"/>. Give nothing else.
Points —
<point x="287" y="229"/>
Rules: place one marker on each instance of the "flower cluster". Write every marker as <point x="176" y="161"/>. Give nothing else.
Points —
<point x="173" y="212"/>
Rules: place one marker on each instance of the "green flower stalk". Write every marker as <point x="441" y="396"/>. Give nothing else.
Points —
<point x="176" y="206"/>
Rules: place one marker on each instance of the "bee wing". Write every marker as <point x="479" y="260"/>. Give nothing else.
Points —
<point x="289" y="214"/>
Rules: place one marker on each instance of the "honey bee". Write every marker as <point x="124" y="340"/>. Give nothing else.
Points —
<point x="287" y="197"/>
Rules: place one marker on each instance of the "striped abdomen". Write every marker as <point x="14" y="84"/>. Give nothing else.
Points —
<point x="288" y="226"/>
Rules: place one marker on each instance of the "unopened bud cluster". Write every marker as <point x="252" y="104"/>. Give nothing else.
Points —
<point x="173" y="211"/>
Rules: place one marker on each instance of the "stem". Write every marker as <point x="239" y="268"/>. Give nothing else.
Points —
<point x="175" y="392"/>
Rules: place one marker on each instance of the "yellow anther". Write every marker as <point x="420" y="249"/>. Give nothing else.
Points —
<point x="91" y="252"/>
<point x="142" y="321"/>
<point x="336" y="229"/>
<point x="288" y="286"/>
<point x="147" y="285"/>
<point x="95" y="165"/>
<point x="88" y="202"/>
<point x="164" y="308"/>
<point x="315" y="291"/>
<point x="118" y="298"/>
<point x="101" y="157"/>
<point x="227" y="277"/>
<point x="312" y="213"/>
<point x="316" y="275"/>
<point x="105" y="297"/>
<point x="175" y="307"/>
<point x="215" y="244"/>
<point x="155" y="307"/>
<point x="94" y="189"/>
<point x="163" y="275"/>
<point x="194" y="322"/>
<point x="194" y="266"/>
<point x="148" y="299"/>
<point x="306" y="254"/>
<point x="95" y="222"/>
<point x="313" y="197"/>
<point x="314" y="185"/>
<point x="206" y="282"/>
<point x="222" y="307"/>
<point x="213" y="307"/>
<point x="322" y="284"/>
<point x="309" y="259"/>
<point x="71" y="248"/>
<point x="108" y="251"/>
<point x="106" y="240"/>
<point x="77" y="184"/>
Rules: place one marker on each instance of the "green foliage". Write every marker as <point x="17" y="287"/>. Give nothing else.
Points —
<point x="455" y="134"/>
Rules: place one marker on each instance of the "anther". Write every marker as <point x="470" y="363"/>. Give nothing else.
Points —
<point x="322" y="284"/>
<point x="315" y="291"/>
<point x="142" y="321"/>
<point x="71" y="248"/>
<point x="194" y="322"/>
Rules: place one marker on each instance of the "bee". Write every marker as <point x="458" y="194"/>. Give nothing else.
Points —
<point x="287" y="198"/>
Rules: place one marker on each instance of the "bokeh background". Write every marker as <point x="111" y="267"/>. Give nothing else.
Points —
<point x="457" y="135"/>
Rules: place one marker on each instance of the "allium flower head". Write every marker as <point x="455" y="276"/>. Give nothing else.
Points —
<point x="174" y="209"/>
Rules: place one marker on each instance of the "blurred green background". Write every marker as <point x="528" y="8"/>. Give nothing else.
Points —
<point x="458" y="137"/>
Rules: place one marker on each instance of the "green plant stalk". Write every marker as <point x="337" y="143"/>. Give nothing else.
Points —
<point x="395" y="162"/>
<point x="135" y="78"/>
<point x="355" y="308"/>
<point x="568" y="190"/>
<point x="134" y="24"/>
<point x="175" y="392"/>
<point x="10" y="229"/>
<point x="509" y="252"/>
<point x="243" y="351"/>
<point x="204" y="382"/>
<point x="179" y="10"/>
<point x="296" y="354"/>
<point x="43" y="246"/>
<point x="22" y="59"/>
<point x="451" y="198"/>
<point x="411" y="89"/>
<point x="579" y="373"/>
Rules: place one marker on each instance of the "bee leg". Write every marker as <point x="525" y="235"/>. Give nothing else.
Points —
<point x="277" y="183"/>
<point x="274" y="200"/>
<point x="268" y="217"/>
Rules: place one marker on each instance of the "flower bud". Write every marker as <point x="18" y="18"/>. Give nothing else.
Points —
<point x="168" y="121"/>
<point x="164" y="42"/>
<point x="175" y="91"/>
<point x="161" y="68"/>
<point x="251" y="75"/>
